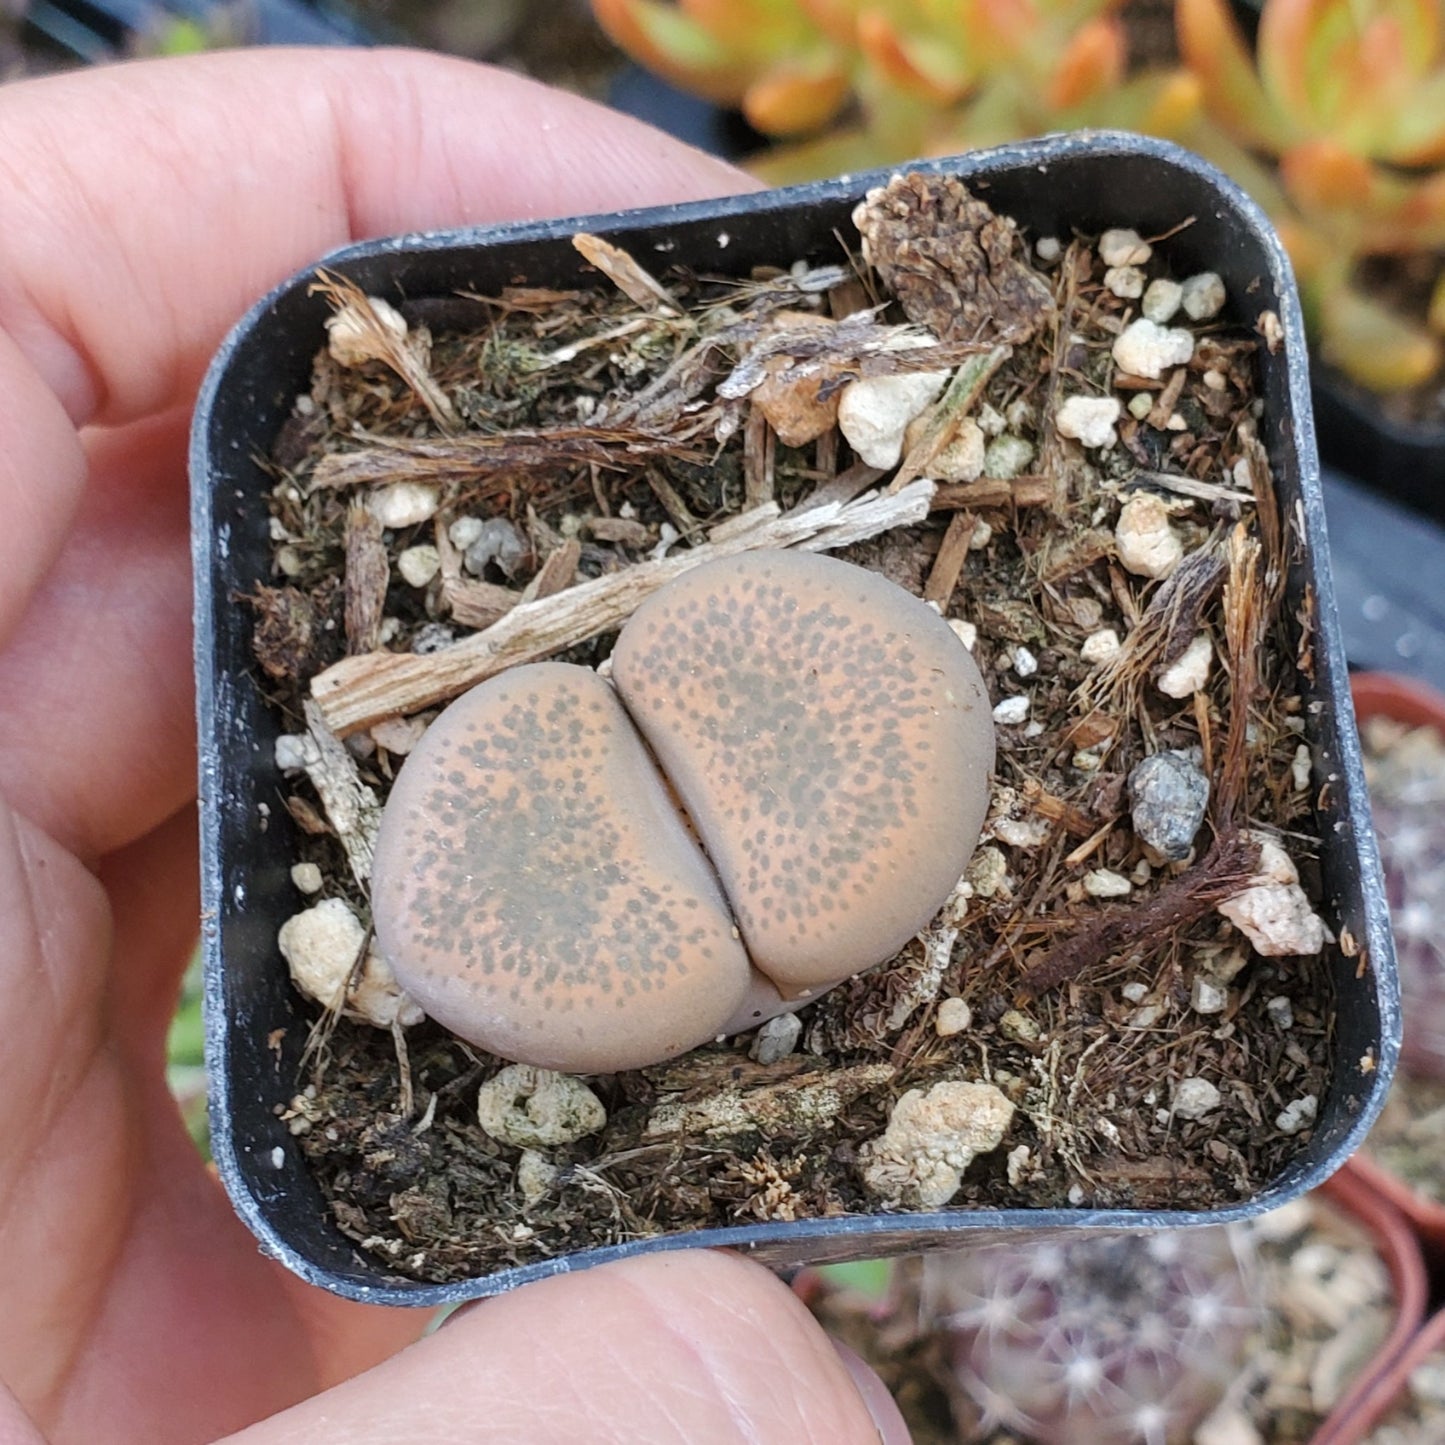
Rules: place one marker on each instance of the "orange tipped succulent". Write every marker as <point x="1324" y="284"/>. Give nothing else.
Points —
<point x="1347" y="97"/>
<point x="896" y="78"/>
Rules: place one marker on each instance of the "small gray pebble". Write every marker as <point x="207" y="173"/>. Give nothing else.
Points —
<point x="1169" y="794"/>
<point x="498" y="541"/>
<point x="777" y="1039"/>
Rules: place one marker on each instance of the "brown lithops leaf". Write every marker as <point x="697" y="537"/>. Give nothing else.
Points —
<point x="536" y="891"/>
<point x="831" y="740"/>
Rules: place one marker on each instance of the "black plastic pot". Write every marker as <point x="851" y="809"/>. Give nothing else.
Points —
<point x="1085" y="181"/>
<point x="1399" y="459"/>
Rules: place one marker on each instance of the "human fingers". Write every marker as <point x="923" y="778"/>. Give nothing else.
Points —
<point x="699" y="1348"/>
<point x="148" y="205"/>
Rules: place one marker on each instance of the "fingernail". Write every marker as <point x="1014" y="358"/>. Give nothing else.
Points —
<point x="880" y="1404"/>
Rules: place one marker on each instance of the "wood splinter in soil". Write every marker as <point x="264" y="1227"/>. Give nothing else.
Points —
<point x="1119" y="589"/>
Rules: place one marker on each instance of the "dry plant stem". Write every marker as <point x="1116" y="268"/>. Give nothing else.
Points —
<point x="941" y="424"/>
<point x="948" y="565"/>
<point x="1233" y="858"/>
<point x="634" y="281"/>
<point x="1032" y="491"/>
<point x="358" y="692"/>
<point x="351" y="807"/>
<point x="472" y="458"/>
<point x="341" y="292"/>
<point x="1228" y="866"/>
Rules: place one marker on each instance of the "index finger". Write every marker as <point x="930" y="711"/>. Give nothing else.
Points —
<point x="148" y="205"/>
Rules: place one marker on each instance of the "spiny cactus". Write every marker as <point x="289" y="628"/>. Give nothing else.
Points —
<point x="1112" y="1339"/>
<point x="1347" y="98"/>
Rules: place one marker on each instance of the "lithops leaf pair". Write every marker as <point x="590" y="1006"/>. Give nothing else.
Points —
<point x="781" y="786"/>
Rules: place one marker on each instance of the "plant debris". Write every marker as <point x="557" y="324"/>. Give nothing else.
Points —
<point x="624" y="436"/>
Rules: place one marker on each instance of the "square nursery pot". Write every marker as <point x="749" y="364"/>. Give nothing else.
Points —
<point x="256" y="1024"/>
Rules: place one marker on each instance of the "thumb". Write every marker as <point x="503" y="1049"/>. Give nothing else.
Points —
<point x="701" y="1348"/>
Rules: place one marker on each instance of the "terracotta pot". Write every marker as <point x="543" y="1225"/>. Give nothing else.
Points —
<point x="1354" y="1191"/>
<point x="1379" y="694"/>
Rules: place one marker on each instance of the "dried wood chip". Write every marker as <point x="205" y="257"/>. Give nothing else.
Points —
<point x="952" y="554"/>
<point x="367" y="573"/>
<point x="478" y="604"/>
<point x="624" y="271"/>
<point x="363" y="690"/>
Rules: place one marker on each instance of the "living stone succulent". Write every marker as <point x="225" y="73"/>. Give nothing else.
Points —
<point x="784" y="787"/>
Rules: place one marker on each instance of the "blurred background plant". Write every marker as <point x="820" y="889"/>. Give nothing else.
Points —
<point x="1346" y="101"/>
<point x="846" y="84"/>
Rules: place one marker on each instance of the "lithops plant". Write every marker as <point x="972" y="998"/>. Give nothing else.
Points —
<point x="533" y="879"/>
<point x="786" y="784"/>
<point x="1112" y="1339"/>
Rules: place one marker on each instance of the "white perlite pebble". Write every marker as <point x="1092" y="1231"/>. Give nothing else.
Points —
<point x="1228" y="1425"/>
<point x="776" y="1039"/>
<point x="1144" y="348"/>
<point x="1299" y="768"/>
<point x="1124" y="247"/>
<point x="1100" y="647"/>
<point x="536" y="1174"/>
<point x="931" y="1138"/>
<point x="1194" y="1098"/>
<point x="293" y="752"/>
<point x="306" y="877"/>
<point x="418" y="565"/>
<point x="874" y="412"/>
<point x="966" y="632"/>
<point x="1126" y="282"/>
<point x="1188" y="673"/>
<point x="1105" y="883"/>
<point x="353" y="337"/>
<point x="1297" y="1115"/>
<point x="1089" y="420"/>
<point x="402" y="504"/>
<point x="1135" y="992"/>
<point x="1006" y="457"/>
<point x="1011" y="711"/>
<point x="1273" y="913"/>
<point x="962" y="459"/>
<point x="1161" y="300"/>
<point x="1047" y="248"/>
<point x="1207" y="995"/>
<point x="953" y="1017"/>
<point x="1280" y="1011"/>
<point x="987" y="871"/>
<point x="1025" y="664"/>
<point x="1202" y="296"/>
<point x="321" y="947"/>
<point x="1148" y="545"/>
<point x="464" y="531"/>
<point x="532" y="1108"/>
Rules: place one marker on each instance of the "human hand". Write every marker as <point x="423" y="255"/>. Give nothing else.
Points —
<point x="144" y="207"/>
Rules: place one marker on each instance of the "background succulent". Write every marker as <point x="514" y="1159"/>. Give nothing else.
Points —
<point x="1346" y="99"/>
<point x="1099" y="1339"/>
